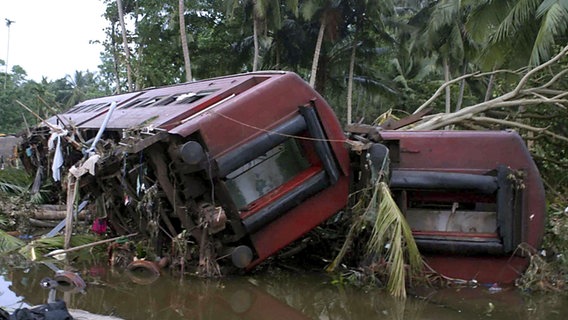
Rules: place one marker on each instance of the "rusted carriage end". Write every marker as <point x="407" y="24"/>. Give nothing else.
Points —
<point x="471" y="198"/>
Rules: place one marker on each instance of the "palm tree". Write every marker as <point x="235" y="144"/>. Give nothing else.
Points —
<point x="329" y="15"/>
<point x="79" y="87"/>
<point x="261" y="11"/>
<point x="125" y="44"/>
<point x="367" y="15"/>
<point x="518" y="32"/>
<point x="183" y="36"/>
<point x="441" y="35"/>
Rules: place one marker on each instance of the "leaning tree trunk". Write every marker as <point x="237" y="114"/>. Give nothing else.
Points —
<point x="256" y="45"/>
<point x="125" y="43"/>
<point x="115" y="59"/>
<point x="183" y="35"/>
<point x="317" y="51"/>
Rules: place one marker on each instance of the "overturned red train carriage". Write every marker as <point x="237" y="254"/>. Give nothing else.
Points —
<point x="252" y="162"/>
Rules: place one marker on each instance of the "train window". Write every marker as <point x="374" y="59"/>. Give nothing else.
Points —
<point x="266" y="173"/>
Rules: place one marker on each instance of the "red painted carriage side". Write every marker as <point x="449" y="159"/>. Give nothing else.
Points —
<point x="250" y="113"/>
<point x="476" y="152"/>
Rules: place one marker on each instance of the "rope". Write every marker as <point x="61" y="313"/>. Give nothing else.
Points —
<point x="281" y="134"/>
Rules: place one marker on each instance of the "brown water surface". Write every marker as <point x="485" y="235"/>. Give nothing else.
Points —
<point x="266" y="295"/>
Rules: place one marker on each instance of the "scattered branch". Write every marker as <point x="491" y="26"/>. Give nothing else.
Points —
<point x="442" y="119"/>
<point x="520" y="126"/>
<point x="519" y="96"/>
<point x="440" y="89"/>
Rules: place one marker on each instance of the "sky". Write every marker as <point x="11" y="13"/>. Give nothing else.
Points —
<point x="51" y="38"/>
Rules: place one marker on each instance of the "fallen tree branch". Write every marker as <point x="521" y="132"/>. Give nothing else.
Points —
<point x="538" y="68"/>
<point x="440" y="89"/>
<point x="514" y="97"/>
<point x="441" y="120"/>
<point x="520" y="126"/>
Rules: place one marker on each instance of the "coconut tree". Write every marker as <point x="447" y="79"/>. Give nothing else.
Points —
<point x="183" y="36"/>
<point x="368" y="15"/>
<point x="440" y="36"/>
<point x="288" y="46"/>
<point x="518" y="33"/>
<point x="261" y="12"/>
<point x="125" y="44"/>
<point x="329" y="16"/>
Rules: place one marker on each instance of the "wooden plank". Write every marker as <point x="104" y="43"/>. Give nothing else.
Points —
<point x="146" y="142"/>
<point x="71" y="190"/>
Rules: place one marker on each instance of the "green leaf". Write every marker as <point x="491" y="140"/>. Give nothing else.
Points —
<point x="9" y="243"/>
<point x="390" y="227"/>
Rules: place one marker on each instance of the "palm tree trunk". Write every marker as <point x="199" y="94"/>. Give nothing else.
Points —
<point x="317" y="52"/>
<point x="255" y="39"/>
<point x="462" y="88"/>
<point x="489" y="91"/>
<point x="183" y="35"/>
<point x="350" y="80"/>
<point x="125" y="44"/>
<point x="448" y="92"/>
<point x="115" y="59"/>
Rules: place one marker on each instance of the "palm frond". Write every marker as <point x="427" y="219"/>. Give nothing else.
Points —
<point x="392" y="232"/>
<point x="11" y="188"/>
<point x="445" y="13"/>
<point x="554" y="22"/>
<point x="9" y="243"/>
<point x="36" y="249"/>
<point x="354" y="230"/>
<point x="484" y="18"/>
<point x="521" y="12"/>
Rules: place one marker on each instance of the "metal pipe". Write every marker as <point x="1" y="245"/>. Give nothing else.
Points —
<point x="435" y="180"/>
<point x="102" y="128"/>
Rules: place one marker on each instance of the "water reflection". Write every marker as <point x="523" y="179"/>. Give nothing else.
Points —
<point x="274" y="295"/>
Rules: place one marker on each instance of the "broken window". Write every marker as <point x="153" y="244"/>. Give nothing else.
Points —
<point x="267" y="172"/>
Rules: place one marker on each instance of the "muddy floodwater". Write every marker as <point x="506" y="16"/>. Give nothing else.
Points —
<point x="266" y="295"/>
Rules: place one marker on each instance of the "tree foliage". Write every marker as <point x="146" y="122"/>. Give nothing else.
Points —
<point x="482" y="65"/>
<point x="373" y="55"/>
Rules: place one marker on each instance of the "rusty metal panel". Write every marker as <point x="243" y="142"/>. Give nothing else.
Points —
<point x="159" y="107"/>
<point x="475" y="152"/>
